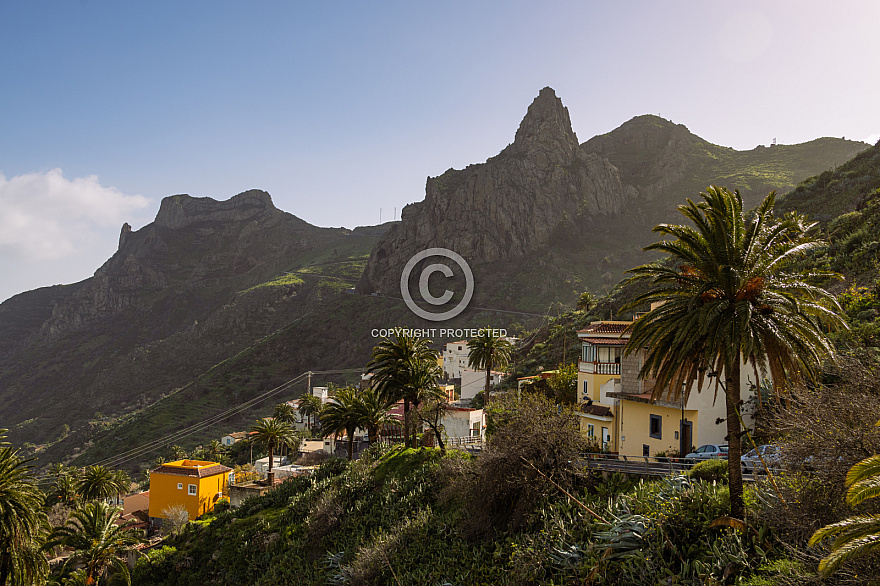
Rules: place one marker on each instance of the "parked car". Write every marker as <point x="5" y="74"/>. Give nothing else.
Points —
<point x="751" y="462"/>
<point x="707" y="452"/>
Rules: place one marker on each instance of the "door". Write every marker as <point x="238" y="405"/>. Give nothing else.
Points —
<point x="606" y="438"/>
<point x="686" y="437"/>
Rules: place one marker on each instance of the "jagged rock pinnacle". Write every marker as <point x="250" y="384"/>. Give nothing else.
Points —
<point x="545" y="127"/>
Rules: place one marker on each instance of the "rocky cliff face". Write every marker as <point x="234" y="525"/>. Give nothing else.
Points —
<point x="508" y="206"/>
<point x="595" y="201"/>
<point x="193" y="244"/>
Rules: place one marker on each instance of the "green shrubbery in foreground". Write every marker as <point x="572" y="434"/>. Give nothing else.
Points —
<point x="404" y="516"/>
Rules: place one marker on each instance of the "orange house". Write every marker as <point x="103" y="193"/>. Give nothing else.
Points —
<point x="196" y="484"/>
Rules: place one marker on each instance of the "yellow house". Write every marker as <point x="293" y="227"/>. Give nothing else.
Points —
<point x="616" y="408"/>
<point x="196" y="484"/>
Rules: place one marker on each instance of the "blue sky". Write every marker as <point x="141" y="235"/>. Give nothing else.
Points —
<point x="340" y="109"/>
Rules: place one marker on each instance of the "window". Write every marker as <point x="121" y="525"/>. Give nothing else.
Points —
<point x="193" y="489"/>
<point x="589" y="353"/>
<point x="586" y="389"/>
<point x="656" y="430"/>
<point x="179" y="486"/>
<point x="591" y="430"/>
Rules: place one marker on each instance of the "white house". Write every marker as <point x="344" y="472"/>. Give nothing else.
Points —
<point x="463" y="422"/>
<point x="474" y="381"/>
<point x="455" y="358"/>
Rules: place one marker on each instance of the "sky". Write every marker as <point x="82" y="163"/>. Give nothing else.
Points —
<point x="341" y="110"/>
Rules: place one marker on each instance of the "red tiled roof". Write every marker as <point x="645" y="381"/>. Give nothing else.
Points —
<point x="605" y="328"/>
<point x="605" y="341"/>
<point x="200" y="472"/>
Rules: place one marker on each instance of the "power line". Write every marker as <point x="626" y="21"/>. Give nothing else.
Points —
<point x="177" y="435"/>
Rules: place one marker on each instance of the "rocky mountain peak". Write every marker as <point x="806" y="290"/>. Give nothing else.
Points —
<point x="546" y="128"/>
<point x="179" y="211"/>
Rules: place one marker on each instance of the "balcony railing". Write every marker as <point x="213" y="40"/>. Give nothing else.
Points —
<point x="599" y="367"/>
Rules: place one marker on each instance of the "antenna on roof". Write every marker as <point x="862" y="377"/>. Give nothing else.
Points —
<point x="774" y="142"/>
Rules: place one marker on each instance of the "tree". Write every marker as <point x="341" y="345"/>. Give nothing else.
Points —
<point x="342" y="414"/>
<point x="285" y="412"/>
<point x="272" y="433"/>
<point x="177" y="516"/>
<point x="857" y="535"/>
<point x="96" y="540"/>
<point x="22" y="521"/>
<point x="372" y="412"/>
<point x="401" y="370"/>
<point x="486" y="351"/>
<point x="310" y="406"/>
<point x="214" y="450"/>
<point x="731" y="293"/>
<point x="98" y="482"/>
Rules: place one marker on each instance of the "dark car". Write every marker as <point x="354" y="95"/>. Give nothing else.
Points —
<point x="707" y="452"/>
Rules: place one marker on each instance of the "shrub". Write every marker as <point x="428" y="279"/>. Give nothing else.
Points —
<point x="710" y="471"/>
<point x="533" y="440"/>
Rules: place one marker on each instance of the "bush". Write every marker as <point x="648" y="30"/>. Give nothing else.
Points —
<point x="533" y="440"/>
<point x="710" y="471"/>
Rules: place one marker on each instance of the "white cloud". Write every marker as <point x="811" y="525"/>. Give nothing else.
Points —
<point x="44" y="216"/>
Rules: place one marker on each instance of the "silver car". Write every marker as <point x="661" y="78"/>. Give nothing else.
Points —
<point x="751" y="462"/>
<point x="707" y="452"/>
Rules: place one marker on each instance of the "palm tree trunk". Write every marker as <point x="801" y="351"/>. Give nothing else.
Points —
<point x="350" y="445"/>
<point x="488" y="376"/>
<point x="406" y="418"/>
<point x="734" y="440"/>
<point x="270" y="476"/>
<point x="5" y="567"/>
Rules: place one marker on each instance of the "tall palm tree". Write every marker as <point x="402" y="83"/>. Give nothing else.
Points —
<point x="342" y="414"/>
<point x="400" y="370"/>
<point x="286" y="413"/>
<point x="732" y="293"/>
<point x="97" y="542"/>
<point x="272" y="433"/>
<point x="486" y="352"/>
<point x="856" y="535"/>
<point x="98" y="482"/>
<point x="22" y="521"/>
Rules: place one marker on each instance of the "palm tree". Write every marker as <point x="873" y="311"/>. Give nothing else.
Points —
<point x="286" y="413"/>
<point x="856" y="535"/>
<point x="271" y="433"/>
<point x="214" y="450"/>
<point x="486" y="351"/>
<point x="65" y="491"/>
<point x="122" y="482"/>
<point x="98" y="482"/>
<point x="22" y="521"/>
<point x="97" y="542"/>
<point x="372" y="413"/>
<point x="733" y="293"/>
<point x="400" y="371"/>
<point x="342" y="414"/>
<point x="310" y="406"/>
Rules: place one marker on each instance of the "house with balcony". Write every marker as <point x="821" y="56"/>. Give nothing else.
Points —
<point x="619" y="410"/>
